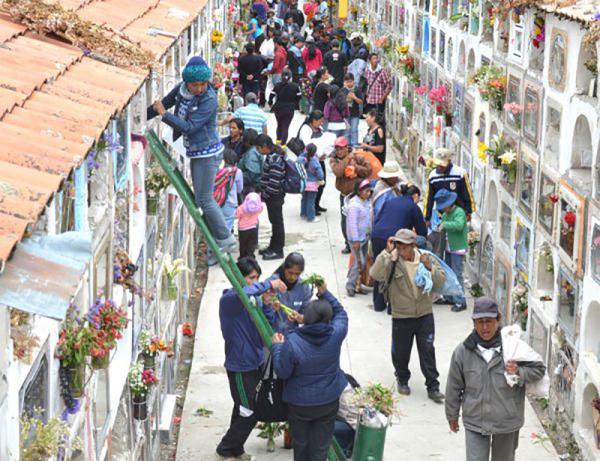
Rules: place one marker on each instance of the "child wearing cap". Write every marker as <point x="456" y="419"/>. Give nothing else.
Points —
<point x="454" y="221"/>
<point x="358" y="226"/>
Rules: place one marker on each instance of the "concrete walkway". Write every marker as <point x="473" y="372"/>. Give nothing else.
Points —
<point x="419" y="433"/>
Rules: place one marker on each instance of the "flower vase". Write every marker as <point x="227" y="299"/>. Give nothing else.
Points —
<point x="151" y="205"/>
<point x="77" y="381"/>
<point x="171" y="290"/>
<point x="511" y="175"/>
<point x="101" y="363"/>
<point x="140" y="408"/>
<point x="472" y="251"/>
<point x="287" y="439"/>
<point x="270" y="445"/>
<point x="149" y="362"/>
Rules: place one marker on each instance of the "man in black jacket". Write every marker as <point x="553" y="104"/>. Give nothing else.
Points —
<point x="296" y="14"/>
<point x="336" y="63"/>
<point x="250" y="67"/>
<point x="273" y="194"/>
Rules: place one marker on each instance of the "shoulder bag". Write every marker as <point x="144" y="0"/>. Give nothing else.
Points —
<point x="269" y="406"/>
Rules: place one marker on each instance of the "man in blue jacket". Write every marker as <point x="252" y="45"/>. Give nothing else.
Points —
<point x="243" y="356"/>
<point x="308" y="358"/>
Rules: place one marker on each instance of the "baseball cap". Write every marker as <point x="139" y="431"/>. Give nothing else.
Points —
<point x="442" y="157"/>
<point x="405" y="236"/>
<point x="341" y="142"/>
<point x="485" y="308"/>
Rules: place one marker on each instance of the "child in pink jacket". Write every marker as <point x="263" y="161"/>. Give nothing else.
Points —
<point x="247" y="214"/>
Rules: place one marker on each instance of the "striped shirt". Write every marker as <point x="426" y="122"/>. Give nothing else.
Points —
<point x="253" y="117"/>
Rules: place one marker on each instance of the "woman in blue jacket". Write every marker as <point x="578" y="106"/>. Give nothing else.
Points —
<point x="297" y="294"/>
<point x="308" y="358"/>
<point x="243" y="354"/>
<point x="195" y="118"/>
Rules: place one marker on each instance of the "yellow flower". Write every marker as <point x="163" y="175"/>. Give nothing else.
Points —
<point x="403" y="49"/>
<point x="508" y="158"/>
<point x="482" y="151"/>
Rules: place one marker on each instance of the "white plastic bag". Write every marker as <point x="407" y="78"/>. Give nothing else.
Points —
<point x="514" y="348"/>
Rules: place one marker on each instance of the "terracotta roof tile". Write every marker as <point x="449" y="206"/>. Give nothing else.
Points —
<point x="116" y="13"/>
<point x="9" y="225"/>
<point x="8" y="100"/>
<point x="9" y="29"/>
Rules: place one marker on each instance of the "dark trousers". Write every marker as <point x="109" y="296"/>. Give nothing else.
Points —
<point x="248" y="242"/>
<point x="321" y="188"/>
<point x="344" y="434"/>
<point x="275" y="213"/>
<point x="312" y="430"/>
<point x="242" y="387"/>
<point x="258" y="42"/>
<point x="403" y="333"/>
<point x="379" y="303"/>
<point x="342" y="197"/>
<point x="284" y="119"/>
<point x="251" y="86"/>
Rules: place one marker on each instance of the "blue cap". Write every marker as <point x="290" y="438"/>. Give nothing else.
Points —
<point x="444" y="198"/>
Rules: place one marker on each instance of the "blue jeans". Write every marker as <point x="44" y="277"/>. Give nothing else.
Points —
<point x="457" y="264"/>
<point x="307" y="205"/>
<point x="228" y="210"/>
<point x="204" y="171"/>
<point x="344" y="434"/>
<point x="352" y="132"/>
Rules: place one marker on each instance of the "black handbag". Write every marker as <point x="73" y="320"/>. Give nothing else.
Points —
<point x="296" y="145"/>
<point x="269" y="406"/>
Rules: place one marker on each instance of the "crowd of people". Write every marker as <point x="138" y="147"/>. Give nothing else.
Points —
<point x="297" y="60"/>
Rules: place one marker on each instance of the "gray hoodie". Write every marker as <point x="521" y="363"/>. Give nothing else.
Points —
<point x="489" y="404"/>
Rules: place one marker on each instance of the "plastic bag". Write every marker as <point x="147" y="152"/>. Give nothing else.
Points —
<point x="514" y="348"/>
<point x="451" y="287"/>
<point x="370" y="417"/>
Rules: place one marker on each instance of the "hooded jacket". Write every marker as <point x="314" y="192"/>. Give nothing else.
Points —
<point x="309" y="360"/>
<point x="200" y="124"/>
<point x="406" y="299"/>
<point x="243" y="344"/>
<point x="489" y="404"/>
<point x="343" y="181"/>
<point x="398" y="213"/>
<point x="297" y="296"/>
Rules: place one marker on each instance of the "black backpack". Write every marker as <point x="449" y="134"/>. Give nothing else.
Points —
<point x="295" y="63"/>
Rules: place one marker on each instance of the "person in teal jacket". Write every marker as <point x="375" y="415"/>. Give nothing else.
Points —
<point x="454" y="222"/>
<point x="251" y="162"/>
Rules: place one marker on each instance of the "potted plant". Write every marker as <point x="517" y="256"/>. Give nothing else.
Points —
<point x="107" y="322"/>
<point x="151" y="345"/>
<point x="377" y="405"/>
<point x="171" y="270"/>
<point x="439" y="97"/>
<point x="271" y="431"/>
<point x="596" y="411"/>
<point x="41" y="441"/>
<point x="140" y="384"/>
<point x="73" y="347"/>
<point x="156" y="181"/>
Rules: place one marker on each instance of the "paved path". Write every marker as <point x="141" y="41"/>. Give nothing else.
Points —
<point x="419" y="433"/>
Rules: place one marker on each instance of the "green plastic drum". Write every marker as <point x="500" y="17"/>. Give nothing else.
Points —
<point x="369" y="443"/>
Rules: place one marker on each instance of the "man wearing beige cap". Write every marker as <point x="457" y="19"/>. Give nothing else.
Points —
<point x="396" y="270"/>
<point x="451" y="177"/>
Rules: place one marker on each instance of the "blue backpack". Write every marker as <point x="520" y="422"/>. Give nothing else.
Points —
<point x="295" y="177"/>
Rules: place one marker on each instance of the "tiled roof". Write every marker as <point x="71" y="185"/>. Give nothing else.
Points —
<point x="579" y="10"/>
<point x="55" y="102"/>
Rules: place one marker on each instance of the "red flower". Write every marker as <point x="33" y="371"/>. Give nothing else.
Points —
<point x="187" y="329"/>
<point x="553" y="198"/>
<point x="570" y="218"/>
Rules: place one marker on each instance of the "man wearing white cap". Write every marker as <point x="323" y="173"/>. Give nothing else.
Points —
<point x="451" y="177"/>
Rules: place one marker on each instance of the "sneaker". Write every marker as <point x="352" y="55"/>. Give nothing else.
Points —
<point x="346" y="250"/>
<point x="320" y="209"/>
<point x="315" y="220"/>
<point x="271" y="255"/>
<point x="350" y="292"/>
<point x="440" y="301"/>
<point x="403" y="388"/>
<point x="229" y="245"/>
<point x="436" y="396"/>
<point x="458" y="308"/>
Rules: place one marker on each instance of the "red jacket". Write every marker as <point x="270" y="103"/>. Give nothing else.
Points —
<point x="312" y="64"/>
<point x="279" y="61"/>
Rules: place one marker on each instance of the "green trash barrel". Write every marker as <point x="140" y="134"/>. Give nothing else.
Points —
<point x="369" y="443"/>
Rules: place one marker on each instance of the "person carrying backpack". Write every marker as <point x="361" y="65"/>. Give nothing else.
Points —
<point x="273" y="192"/>
<point x="295" y="60"/>
<point x="314" y="176"/>
<point x="229" y="183"/>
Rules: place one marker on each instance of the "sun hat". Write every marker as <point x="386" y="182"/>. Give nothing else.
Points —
<point x="485" y="308"/>
<point x="354" y="35"/>
<point x="442" y="157"/>
<point x="341" y="141"/>
<point x="444" y="198"/>
<point x="405" y="236"/>
<point x="196" y="70"/>
<point x="391" y="169"/>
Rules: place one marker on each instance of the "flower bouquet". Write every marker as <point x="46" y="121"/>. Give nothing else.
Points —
<point x="73" y="347"/>
<point x="439" y="97"/>
<point x="150" y="346"/>
<point x="508" y="163"/>
<point x="140" y="384"/>
<point x="521" y="303"/>
<point x="514" y="111"/>
<point x="491" y="83"/>
<point x="408" y="69"/>
<point x="24" y="342"/>
<point x="496" y="150"/>
<point x="171" y="270"/>
<point x="156" y="181"/>
<point x="473" y="239"/>
<point x="107" y="322"/>
<point x="545" y="255"/>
